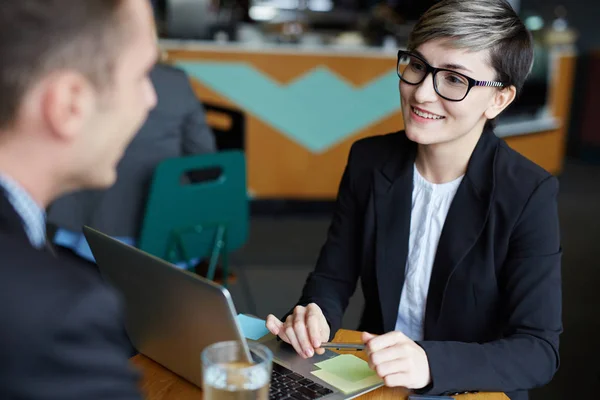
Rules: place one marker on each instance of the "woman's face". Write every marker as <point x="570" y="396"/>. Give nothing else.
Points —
<point x="430" y="119"/>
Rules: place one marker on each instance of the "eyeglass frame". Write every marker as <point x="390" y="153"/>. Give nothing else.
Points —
<point x="433" y="71"/>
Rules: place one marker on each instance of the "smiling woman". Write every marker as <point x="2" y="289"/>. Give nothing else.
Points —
<point x="425" y="215"/>
<point x="463" y="104"/>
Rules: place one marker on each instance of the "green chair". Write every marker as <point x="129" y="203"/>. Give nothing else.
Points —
<point x="189" y="219"/>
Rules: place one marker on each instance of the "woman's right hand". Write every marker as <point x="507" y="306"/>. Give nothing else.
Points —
<point x="305" y="329"/>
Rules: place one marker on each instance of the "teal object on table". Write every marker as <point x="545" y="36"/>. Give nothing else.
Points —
<point x="253" y="328"/>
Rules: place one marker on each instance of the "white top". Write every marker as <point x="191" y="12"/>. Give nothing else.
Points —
<point x="430" y="205"/>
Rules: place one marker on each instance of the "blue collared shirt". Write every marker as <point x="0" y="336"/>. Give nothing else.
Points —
<point x="76" y="242"/>
<point x="34" y="222"/>
<point x="32" y="215"/>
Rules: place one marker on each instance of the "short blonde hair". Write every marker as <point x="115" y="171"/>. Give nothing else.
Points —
<point x="479" y="25"/>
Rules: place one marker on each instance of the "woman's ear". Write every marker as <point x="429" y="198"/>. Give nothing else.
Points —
<point x="501" y="99"/>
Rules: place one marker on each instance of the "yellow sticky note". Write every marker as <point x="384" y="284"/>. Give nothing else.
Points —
<point x="346" y="372"/>
<point x="348" y="367"/>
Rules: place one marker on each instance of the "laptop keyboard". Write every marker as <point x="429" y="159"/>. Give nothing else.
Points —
<point x="286" y="384"/>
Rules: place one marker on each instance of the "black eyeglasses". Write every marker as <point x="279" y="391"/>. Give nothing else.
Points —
<point x="448" y="84"/>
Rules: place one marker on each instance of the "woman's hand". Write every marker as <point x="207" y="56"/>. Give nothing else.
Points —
<point x="305" y="329"/>
<point x="398" y="360"/>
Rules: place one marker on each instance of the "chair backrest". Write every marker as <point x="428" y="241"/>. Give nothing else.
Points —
<point x="176" y="204"/>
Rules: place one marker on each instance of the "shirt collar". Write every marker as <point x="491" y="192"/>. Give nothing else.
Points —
<point x="32" y="215"/>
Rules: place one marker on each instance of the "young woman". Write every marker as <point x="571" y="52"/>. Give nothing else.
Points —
<point x="454" y="236"/>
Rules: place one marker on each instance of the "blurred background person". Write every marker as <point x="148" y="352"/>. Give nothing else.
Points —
<point x="175" y="127"/>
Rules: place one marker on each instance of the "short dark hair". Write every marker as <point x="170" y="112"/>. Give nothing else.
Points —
<point x="481" y="25"/>
<point x="38" y="37"/>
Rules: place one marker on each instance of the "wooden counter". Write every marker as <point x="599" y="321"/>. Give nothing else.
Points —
<point x="304" y="109"/>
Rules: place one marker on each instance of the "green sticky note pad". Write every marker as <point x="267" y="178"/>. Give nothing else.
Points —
<point x="346" y="372"/>
<point x="348" y="367"/>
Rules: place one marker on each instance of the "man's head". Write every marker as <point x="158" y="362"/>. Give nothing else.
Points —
<point x="74" y="83"/>
<point x="481" y="39"/>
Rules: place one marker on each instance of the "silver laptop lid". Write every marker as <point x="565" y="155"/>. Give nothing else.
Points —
<point x="171" y="314"/>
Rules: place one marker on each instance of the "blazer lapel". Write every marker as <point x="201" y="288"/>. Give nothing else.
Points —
<point x="392" y="189"/>
<point x="464" y="223"/>
<point x="10" y="221"/>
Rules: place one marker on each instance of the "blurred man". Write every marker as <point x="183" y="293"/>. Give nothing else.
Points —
<point x="176" y="127"/>
<point x="75" y="89"/>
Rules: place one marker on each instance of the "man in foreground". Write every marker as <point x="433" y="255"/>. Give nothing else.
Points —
<point x="75" y="89"/>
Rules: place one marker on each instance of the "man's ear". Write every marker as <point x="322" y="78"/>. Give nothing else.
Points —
<point x="68" y="101"/>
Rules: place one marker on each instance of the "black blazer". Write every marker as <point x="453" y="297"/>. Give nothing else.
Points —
<point x="61" y="330"/>
<point x="493" y="313"/>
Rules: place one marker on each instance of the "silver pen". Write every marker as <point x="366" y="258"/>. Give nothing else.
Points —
<point x="343" y="346"/>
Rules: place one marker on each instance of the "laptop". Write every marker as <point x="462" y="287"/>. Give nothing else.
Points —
<point x="172" y="315"/>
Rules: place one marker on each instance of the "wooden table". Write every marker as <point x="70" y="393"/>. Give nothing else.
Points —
<point x="159" y="383"/>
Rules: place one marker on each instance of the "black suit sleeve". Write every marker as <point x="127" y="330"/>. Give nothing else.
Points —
<point x="334" y="279"/>
<point x="530" y="280"/>
<point x="198" y="138"/>
<point x="86" y="357"/>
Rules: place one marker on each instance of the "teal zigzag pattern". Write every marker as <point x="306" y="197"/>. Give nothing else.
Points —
<point x="317" y="110"/>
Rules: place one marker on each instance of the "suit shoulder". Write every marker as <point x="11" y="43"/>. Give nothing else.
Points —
<point x="376" y="148"/>
<point x="378" y="142"/>
<point x="521" y="176"/>
<point x="516" y="162"/>
<point x="38" y="291"/>
<point x="60" y="334"/>
<point x="168" y="72"/>
<point x="168" y="79"/>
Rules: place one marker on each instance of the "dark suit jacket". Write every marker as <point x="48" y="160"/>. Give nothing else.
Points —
<point x="174" y="128"/>
<point x="61" y="335"/>
<point x="493" y="313"/>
